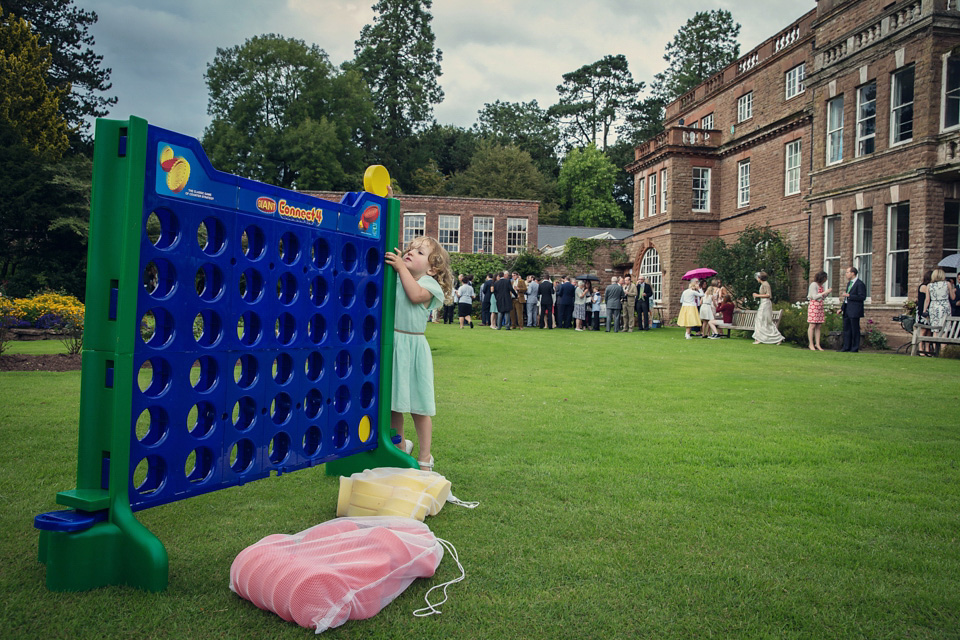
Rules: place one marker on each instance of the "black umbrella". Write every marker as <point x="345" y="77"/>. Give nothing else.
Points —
<point x="587" y="276"/>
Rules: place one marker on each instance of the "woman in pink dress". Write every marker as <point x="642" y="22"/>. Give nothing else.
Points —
<point x="815" y="314"/>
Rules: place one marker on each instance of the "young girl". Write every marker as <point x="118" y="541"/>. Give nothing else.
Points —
<point x="689" y="316"/>
<point x="423" y="272"/>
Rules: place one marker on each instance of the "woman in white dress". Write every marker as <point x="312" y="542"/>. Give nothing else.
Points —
<point x="708" y="310"/>
<point x="939" y="294"/>
<point x="764" y="331"/>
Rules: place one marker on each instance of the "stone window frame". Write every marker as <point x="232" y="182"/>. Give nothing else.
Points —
<point x="795" y="82"/>
<point x="831" y="260"/>
<point x="518" y="236"/>
<point x="745" y="107"/>
<point x="701" y="194"/>
<point x="642" y="183"/>
<point x="791" y="174"/>
<point x="650" y="269"/>
<point x="946" y="91"/>
<point x="743" y="183"/>
<point x="835" y="134"/>
<point x="652" y="194"/>
<point x="663" y="190"/>
<point x="895" y="108"/>
<point x="704" y="121"/>
<point x="862" y="120"/>
<point x="863" y="260"/>
<point x="452" y="240"/>
<point x="483" y="237"/>
<point x="410" y="230"/>
<point x="955" y="247"/>
<point x="893" y="254"/>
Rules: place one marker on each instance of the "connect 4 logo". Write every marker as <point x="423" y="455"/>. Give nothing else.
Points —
<point x="266" y="205"/>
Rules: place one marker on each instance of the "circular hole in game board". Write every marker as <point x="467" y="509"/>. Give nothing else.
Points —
<point x="159" y="278"/>
<point x="156" y="327"/>
<point x="249" y="329"/>
<point x="348" y="293"/>
<point x="287" y="289"/>
<point x="203" y="374"/>
<point x="320" y="253"/>
<point x="372" y="261"/>
<point x="289" y="248"/>
<point x="152" y="425"/>
<point x="244" y="413"/>
<point x="342" y="364"/>
<point x="314" y="366"/>
<point x="371" y="295"/>
<point x="348" y="257"/>
<point x="341" y="433"/>
<point x="283" y="368"/>
<point x="313" y="404"/>
<point x="241" y="455"/>
<point x="319" y="292"/>
<point x="345" y="328"/>
<point x="317" y="328"/>
<point x="311" y="440"/>
<point x="245" y="371"/>
<point x="369" y="329"/>
<point x="280" y="408"/>
<point x="211" y="236"/>
<point x="366" y="395"/>
<point x="285" y="329"/>
<point x="198" y="465"/>
<point x="341" y="399"/>
<point x="209" y="282"/>
<point x="253" y="242"/>
<point x="207" y="328"/>
<point x="149" y="475"/>
<point x="279" y="447"/>
<point x="368" y="361"/>
<point x="201" y="419"/>
<point x="154" y="377"/>
<point x="162" y="228"/>
<point x="251" y="285"/>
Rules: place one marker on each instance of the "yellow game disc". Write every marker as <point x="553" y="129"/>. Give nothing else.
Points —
<point x="376" y="179"/>
<point x="166" y="154"/>
<point x="363" y="431"/>
<point x="178" y="175"/>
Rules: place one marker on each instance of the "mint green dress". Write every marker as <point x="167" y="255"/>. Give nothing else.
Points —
<point x="412" y="362"/>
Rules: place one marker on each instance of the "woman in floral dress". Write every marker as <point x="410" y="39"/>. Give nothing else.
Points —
<point x="815" y="314"/>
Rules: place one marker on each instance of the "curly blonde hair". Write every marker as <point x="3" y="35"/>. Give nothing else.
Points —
<point x="439" y="261"/>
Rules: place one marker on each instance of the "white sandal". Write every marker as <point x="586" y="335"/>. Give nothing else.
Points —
<point x="426" y="466"/>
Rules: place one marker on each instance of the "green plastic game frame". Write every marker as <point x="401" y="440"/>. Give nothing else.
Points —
<point x="119" y="550"/>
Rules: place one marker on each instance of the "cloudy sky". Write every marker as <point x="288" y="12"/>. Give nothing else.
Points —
<point x="511" y="50"/>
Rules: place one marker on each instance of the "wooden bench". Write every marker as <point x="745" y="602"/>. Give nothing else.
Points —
<point x="949" y="333"/>
<point x="744" y="319"/>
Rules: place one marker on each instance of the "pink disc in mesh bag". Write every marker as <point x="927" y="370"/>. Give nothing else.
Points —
<point x="248" y="561"/>
<point x="318" y="595"/>
<point x="330" y="528"/>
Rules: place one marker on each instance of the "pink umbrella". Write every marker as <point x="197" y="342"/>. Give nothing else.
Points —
<point x="702" y="272"/>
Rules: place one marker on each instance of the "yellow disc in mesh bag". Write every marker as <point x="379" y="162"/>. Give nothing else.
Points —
<point x="178" y="175"/>
<point x="376" y="180"/>
<point x="364" y="429"/>
<point x="374" y="489"/>
<point x="364" y="501"/>
<point x="343" y="499"/>
<point x="357" y="512"/>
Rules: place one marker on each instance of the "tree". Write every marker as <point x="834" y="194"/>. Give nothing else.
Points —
<point x="586" y="189"/>
<point x="526" y="126"/>
<point x="28" y="106"/>
<point x="593" y="98"/>
<point x="756" y="249"/>
<point x="621" y="154"/>
<point x="500" y="172"/>
<point x="75" y="68"/>
<point x="702" y="47"/>
<point x="397" y="58"/>
<point x="284" y="115"/>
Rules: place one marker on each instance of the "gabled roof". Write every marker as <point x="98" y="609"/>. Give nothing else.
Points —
<point x="556" y="235"/>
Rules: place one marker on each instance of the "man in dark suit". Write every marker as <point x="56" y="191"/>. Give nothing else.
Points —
<point x="486" y="290"/>
<point x="644" y="302"/>
<point x="565" y="303"/>
<point x="852" y="310"/>
<point x="504" y="293"/>
<point x="546" y="303"/>
<point x="613" y="296"/>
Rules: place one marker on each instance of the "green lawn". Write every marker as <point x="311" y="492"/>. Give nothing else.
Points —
<point x="631" y="485"/>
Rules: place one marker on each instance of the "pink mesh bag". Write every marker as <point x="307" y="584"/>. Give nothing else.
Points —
<point x="343" y="569"/>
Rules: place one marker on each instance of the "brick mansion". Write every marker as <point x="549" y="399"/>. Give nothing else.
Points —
<point x="841" y="132"/>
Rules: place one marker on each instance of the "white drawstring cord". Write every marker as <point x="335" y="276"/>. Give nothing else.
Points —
<point x="452" y="499"/>
<point x="432" y="609"/>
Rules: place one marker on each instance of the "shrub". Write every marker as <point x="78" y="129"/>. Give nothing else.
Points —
<point x="50" y="310"/>
<point x="876" y="338"/>
<point x="11" y="315"/>
<point x="793" y="322"/>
